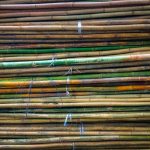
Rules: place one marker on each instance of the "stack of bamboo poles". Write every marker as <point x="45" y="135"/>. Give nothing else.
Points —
<point x="75" y="74"/>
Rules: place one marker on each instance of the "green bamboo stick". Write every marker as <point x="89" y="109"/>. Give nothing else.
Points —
<point x="79" y="49"/>
<point x="77" y="139"/>
<point x="107" y="59"/>
<point x="79" y="110"/>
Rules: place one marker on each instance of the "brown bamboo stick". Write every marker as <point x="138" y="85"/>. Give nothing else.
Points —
<point x="75" y="4"/>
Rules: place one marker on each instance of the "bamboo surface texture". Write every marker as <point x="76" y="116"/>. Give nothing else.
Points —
<point x="75" y="74"/>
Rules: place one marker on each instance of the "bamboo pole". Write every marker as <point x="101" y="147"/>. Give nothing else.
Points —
<point x="75" y="4"/>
